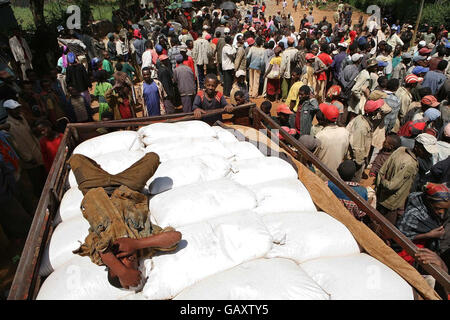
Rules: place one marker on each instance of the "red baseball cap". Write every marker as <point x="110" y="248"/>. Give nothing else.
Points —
<point x="330" y="111"/>
<point x="163" y="57"/>
<point x="419" y="126"/>
<point x="430" y="101"/>
<point x="309" y="56"/>
<point x="373" y="105"/>
<point x="282" y="108"/>
<point x="412" y="78"/>
<point x="424" y="51"/>
<point x="288" y="130"/>
<point x="137" y="34"/>
<point x="250" y="41"/>
<point x="208" y="37"/>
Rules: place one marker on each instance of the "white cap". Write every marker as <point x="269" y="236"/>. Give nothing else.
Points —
<point x="356" y="57"/>
<point x="429" y="142"/>
<point x="11" y="104"/>
<point x="422" y="43"/>
<point x="226" y="30"/>
<point x="343" y="44"/>
<point x="240" y="73"/>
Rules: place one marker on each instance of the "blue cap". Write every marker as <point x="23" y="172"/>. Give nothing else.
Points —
<point x="95" y="61"/>
<point x="432" y="114"/>
<point x="382" y="64"/>
<point x="158" y="48"/>
<point x="71" y="57"/>
<point x="419" y="58"/>
<point x="417" y="70"/>
<point x="362" y="40"/>
<point x="179" y="58"/>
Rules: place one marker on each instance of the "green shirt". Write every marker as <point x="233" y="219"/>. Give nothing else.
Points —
<point x="107" y="66"/>
<point x="129" y="70"/>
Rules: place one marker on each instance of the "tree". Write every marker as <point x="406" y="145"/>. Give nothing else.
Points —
<point x="37" y="8"/>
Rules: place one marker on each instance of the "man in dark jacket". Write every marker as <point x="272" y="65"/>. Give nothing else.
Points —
<point x="77" y="77"/>
<point x="165" y="75"/>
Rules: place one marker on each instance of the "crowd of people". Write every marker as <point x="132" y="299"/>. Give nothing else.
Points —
<point x="367" y="100"/>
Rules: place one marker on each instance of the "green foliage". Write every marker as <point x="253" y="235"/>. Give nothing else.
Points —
<point x="436" y="14"/>
<point x="55" y="12"/>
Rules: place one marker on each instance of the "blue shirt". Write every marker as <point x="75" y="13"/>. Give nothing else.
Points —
<point x="434" y="80"/>
<point x="342" y="196"/>
<point x="152" y="99"/>
<point x="337" y="62"/>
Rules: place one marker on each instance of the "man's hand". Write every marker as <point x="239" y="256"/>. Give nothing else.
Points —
<point x="198" y="113"/>
<point x="437" y="233"/>
<point x="129" y="278"/>
<point x="426" y="256"/>
<point x="126" y="247"/>
<point x="229" y="108"/>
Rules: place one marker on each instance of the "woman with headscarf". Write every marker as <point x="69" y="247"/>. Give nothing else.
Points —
<point x="63" y="60"/>
<point x="273" y="76"/>
<point x="425" y="219"/>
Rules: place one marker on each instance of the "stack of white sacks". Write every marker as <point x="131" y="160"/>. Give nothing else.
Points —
<point x="250" y="229"/>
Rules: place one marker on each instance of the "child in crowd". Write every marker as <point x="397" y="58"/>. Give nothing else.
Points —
<point x="100" y="90"/>
<point x="49" y="142"/>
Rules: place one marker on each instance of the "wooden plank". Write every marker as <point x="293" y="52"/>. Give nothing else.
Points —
<point x="28" y="268"/>
<point x="148" y="120"/>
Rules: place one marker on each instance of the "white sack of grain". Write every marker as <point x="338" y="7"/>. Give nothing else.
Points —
<point x="185" y="129"/>
<point x="180" y="148"/>
<point x="188" y="171"/>
<point x="201" y="201"/>
<point x="261" y="279"/>
<point x="243" y="150"/>
<point x="70" y="206"/>
<point x="224" y="135"/>
<point x="358" y="277"/>
<point x="80" y="279"/>
<point x="254" y="171"/>
<point x="66" y="237"/>
<point x="304" y="236"/>
<point x="110" y="142"/>
<point x="282" y="195"/>
<point x="207" y="248"/>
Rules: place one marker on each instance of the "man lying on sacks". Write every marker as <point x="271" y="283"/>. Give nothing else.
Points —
<point x="120" y="229"/>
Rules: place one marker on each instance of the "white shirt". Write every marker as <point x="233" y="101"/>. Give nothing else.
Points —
<point x="147" y="59"/>
<point x="121" y="48"/>
<point x="227" y="57"/>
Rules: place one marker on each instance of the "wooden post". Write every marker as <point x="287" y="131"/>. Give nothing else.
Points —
<point x="413" y="42"/>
